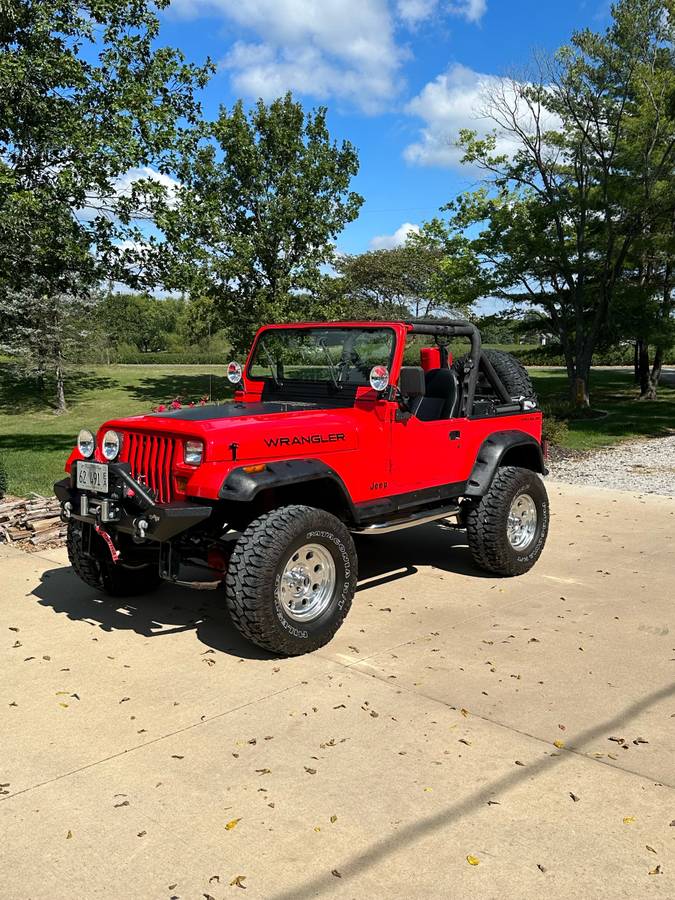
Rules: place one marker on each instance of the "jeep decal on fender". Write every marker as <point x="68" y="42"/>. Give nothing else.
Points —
<point x="304" y="439"/>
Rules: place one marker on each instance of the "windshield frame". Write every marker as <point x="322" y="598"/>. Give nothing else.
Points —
<point x="319" y="326"/>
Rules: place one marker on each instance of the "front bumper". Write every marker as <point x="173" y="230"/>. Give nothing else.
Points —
<point x="127" y="506"/>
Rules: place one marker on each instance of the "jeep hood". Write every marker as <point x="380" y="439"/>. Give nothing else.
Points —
<point x="236" y="431"/>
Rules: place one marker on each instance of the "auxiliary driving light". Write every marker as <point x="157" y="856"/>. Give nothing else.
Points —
<point x="379" y="378"/>
<point x="86" y="443"/>
<point x="234" y="373"/>
<point x="111" y="446"/>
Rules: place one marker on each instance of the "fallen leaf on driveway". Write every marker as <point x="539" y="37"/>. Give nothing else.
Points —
<point x="541" y="868"/>
<point x="232" y="824"/>
<point x="69" y="835"/>
<point x="464" y="712"/>
<point x="656" y="871"/>
<point x="310" y="771"/>
<point x="628" y="820"/>
<point x="238" y="881"/>
<point x="651" y="849"/>
<point x="559" y="744"/>
<point x="333" y="819"/>
<point x="336" y="873"/>
<point x="574" y="797"/>
<point x="519" y="763"/>
<point x="472" y="860"/>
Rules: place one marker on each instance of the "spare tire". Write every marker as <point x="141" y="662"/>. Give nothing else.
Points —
<point x="513" y="375"/>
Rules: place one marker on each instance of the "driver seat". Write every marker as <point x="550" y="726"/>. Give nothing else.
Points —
<point x="440" y="397"/>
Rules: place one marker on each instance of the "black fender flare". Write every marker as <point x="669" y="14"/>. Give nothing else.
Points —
<point x="242" y="486"/>
<point x="522" y="449"/>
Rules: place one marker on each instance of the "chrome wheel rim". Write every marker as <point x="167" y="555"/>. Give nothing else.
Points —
<point x="522" y="522"/>
<point x="307" y="583"/>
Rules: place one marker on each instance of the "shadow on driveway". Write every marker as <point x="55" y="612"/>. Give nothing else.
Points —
<point x="174" y="609"/>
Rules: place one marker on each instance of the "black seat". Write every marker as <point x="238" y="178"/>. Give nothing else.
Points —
<point x="440" y="395"/>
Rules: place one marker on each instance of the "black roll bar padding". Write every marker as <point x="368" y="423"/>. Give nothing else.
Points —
<point x="456" y="328"/>
<point x="494" y="379"/>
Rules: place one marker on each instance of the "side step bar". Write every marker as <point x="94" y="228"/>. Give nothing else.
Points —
<point x="421" y="518"/>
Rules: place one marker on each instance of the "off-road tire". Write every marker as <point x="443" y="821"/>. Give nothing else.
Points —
<point x="513" y="375"/>
<point x="98" y="570"/>
<point x="486" y="523"/>
<point x="252" y="583"/>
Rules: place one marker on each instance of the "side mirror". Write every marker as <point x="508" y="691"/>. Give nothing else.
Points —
<point x="411" y="383"/>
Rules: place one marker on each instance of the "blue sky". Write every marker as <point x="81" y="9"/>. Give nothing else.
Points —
<point x="399" y="77"/>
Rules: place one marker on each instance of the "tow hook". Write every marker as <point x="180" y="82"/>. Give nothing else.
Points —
<point x="114" y="552"/>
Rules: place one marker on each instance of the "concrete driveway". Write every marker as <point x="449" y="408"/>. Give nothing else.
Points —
<point x="462" y="736"/>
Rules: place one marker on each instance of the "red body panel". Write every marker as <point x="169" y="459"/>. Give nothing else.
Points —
<point x="374" y="454"/>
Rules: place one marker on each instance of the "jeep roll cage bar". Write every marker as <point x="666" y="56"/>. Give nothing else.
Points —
<point x="474" y="362"/>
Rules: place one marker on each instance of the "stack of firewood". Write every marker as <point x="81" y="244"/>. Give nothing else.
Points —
<point x="34" y="521"/>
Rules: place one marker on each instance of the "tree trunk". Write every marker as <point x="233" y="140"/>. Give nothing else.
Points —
<point x="580" y="394"/>
<point x="60" y="389"/>
<point x="652" y="378"/>
<point x="636" y="361"/>
<point x="643" y="368"/>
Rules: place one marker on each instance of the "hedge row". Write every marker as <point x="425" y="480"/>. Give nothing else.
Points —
<point x="551" y="356"/>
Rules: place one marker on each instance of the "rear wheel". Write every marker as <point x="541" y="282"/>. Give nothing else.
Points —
<point x="97" y="569"/>
<point x="507" y="527"/>
<point x="291" y="579"/>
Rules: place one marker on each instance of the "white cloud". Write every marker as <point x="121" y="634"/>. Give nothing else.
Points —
<point x="334" y="48"/>
<point x="414" y="11"/>
<point x="397" y="239"/>
<point x="471" y="10"/>
<point x="455" y="100"/>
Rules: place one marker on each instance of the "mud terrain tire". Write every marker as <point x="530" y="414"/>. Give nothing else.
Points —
<point x="98" y="570"/>
<point x="265" y="579"/>
<point x="513" y="375"/>
<point x="512" y="491"/>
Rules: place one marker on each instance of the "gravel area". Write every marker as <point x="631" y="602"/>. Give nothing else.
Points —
<point x="644" y="466"/>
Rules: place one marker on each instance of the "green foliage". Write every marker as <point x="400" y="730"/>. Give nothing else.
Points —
<point x="573" y="214"/>
<point x="412" y="280"/>
<point x="87" y="105"/>
<point x="261" y="201"/>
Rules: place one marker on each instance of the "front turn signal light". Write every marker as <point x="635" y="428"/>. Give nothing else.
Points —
<point x="251" y="470"/>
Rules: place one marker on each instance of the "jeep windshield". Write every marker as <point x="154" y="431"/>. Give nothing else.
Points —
<point x="339" y="356"/>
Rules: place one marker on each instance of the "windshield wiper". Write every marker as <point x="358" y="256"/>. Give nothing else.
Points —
<point x="270" y="360"/>
<point x="333" y="370"/>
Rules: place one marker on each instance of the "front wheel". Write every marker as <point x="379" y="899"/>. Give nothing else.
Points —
<point x="507" y="527"/>
<point x="91" y="562"/>
<point x="291" y="579"/>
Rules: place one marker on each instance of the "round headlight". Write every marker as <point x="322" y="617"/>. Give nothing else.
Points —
<point x="86" y="443"/>
<point x="111" y="445"/>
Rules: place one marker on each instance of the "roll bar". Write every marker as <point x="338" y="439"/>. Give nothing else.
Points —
<point x="458" y="328"/>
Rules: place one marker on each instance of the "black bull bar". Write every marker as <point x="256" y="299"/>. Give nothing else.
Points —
<point x="127" y="506"/>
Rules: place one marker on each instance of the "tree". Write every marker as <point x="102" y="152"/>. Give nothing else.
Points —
<point x="260" y="202"/>
<point x="572" y="181"/>
<point x="43" y="329"/>
<point x="419" y="279"/>
<point x="88" y="104"/>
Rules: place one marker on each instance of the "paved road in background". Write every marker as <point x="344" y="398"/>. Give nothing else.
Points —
<point x="462" y="736"/>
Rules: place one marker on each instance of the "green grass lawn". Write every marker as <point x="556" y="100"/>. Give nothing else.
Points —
<point x="614" y="392"/>
<point x="34" y="443"/>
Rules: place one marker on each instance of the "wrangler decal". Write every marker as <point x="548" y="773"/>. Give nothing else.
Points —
<point x="305" y="439"/>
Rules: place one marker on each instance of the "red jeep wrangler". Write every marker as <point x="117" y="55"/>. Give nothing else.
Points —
<point x="329" y="435"/>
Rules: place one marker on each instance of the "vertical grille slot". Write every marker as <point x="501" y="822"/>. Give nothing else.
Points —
<point x="151" y="458"/>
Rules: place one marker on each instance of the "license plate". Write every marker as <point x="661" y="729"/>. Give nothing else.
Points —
<point x="92" y="476"/>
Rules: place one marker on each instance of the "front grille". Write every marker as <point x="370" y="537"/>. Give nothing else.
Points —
<point x="151" y="458"/>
